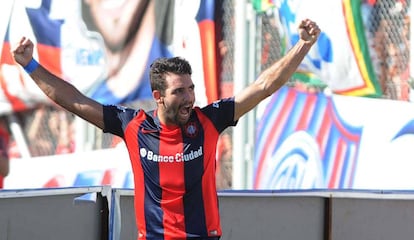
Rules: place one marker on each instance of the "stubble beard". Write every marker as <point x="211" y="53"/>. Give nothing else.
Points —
<point x="173" y="115"/>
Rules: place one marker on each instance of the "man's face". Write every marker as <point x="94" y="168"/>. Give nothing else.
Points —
<point x="116" y="18"/>
<point x="178" y="100"/>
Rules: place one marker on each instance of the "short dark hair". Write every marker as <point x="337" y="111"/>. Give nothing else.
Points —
<point x="161" y="66"/>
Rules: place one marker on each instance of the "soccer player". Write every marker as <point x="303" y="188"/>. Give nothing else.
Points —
<point x="172" y="148"/>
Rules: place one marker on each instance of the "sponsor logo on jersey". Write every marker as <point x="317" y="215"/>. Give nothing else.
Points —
<point x="178" y="157"/>
<point x="147" y="131"/>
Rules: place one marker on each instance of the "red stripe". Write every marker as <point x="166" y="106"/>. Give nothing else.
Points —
<point x="209" y="178"/>
<point x="323" y="133"/>
<point x="207" y="36"/>
<point x="278" y="124"/>
<point x="16" y="103"/>
<point x="172" y="185"/>
<point x="307" y="112"/>
<point x="6" y="56"/>
<point x="337" y="166"/>
<point x="50" y="58"/>
<point x="341" y="128"/>
<point x="139" y="190"/>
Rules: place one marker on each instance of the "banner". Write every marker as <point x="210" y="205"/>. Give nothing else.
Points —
<point x="341" y="57"/>
<point x="304" y="141"/>
<point x="310" y="141"/>
<point x="94" y="168"/>
<point x="105" y="49"/>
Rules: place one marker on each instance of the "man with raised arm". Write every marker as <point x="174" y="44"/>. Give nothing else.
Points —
<point x="172" y="148"/>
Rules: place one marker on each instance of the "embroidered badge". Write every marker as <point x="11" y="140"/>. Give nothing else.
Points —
<point x="191" y="129"/>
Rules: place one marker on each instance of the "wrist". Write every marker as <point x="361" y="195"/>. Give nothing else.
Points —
<point x="31" y="66"/>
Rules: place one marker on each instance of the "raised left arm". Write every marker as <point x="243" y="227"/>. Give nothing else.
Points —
<point x="274" y="77"/>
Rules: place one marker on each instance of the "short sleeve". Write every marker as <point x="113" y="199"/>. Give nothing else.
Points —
<point x="221" y="113"/>
<point x="116" y="118"/>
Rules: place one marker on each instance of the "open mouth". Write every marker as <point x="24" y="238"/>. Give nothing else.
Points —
<point x="185" y="111"/>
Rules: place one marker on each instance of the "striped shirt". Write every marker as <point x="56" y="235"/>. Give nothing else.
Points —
<point x="174" y="169"/>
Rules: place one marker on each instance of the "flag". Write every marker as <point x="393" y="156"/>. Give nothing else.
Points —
<point x="340" y="58"/>
<point x="303" y="142"/>
<point x="70" y="44"/>
<point x="262" y="5"/>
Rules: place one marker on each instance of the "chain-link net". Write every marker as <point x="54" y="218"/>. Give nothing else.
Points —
<point x="48" y="130"/>
<point x="226" y="60"/>
<point x="387" y="24"/>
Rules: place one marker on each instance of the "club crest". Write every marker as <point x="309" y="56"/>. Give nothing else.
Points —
<point x="191" y="129"/>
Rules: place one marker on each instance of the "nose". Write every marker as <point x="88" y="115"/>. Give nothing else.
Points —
<point x="189" y="96"/>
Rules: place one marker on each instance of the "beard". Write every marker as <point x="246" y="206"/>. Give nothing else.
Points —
<point x="176" y="114"/>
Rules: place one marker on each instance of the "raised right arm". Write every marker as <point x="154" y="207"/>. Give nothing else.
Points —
<point x="57" y="89"/>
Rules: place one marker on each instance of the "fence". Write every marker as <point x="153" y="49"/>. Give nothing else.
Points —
<point x="105" y="213"/>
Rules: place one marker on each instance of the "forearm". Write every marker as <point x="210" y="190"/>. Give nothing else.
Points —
<point x="67" y="96"/>
<point x="271" y="79"/>
<point x="58" y="90"/>
<point x="279" y="73"/>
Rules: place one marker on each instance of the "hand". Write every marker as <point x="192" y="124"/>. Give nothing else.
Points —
<point x="309" y="31"/>
<point x="23" y="51"/>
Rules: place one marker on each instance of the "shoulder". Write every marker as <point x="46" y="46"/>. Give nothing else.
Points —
<point x="219" y="105"/>
<point x="117" y="110"/>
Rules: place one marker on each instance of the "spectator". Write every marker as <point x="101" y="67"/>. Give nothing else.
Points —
<point x="62" y="130"/>
<point x="386" y="21"/>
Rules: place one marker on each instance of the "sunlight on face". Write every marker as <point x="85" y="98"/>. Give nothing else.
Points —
<point x="179" y="98"/>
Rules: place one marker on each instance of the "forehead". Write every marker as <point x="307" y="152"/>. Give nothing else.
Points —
<point x="178" y="80"/>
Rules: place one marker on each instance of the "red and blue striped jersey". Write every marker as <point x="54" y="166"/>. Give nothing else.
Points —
<point x="174" y="169"/>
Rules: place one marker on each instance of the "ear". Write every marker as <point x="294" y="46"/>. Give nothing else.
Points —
<point x="157" y="96"/>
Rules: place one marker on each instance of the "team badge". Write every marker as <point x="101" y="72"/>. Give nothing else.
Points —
<point x="191" y="129"/>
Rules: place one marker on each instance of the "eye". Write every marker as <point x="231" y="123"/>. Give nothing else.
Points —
<point x="179" y="90"/>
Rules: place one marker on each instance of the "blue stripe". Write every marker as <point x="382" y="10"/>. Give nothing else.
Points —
<point x="153" y="192"/>
<point x="267" y="122"/>
<point x="317" y="115"/>
<point x="292" y="120"/>
<point x="206" y="11"/>
<point x="46" y="30"/>
<point x="194" y="212"/>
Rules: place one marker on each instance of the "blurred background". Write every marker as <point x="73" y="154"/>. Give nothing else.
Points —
<point x="344" y="120"/>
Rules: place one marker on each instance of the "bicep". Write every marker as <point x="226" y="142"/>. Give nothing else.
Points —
<point x="89" y="110"/>
<point x="67" y="96"/>
<point x="248" y="99"/>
